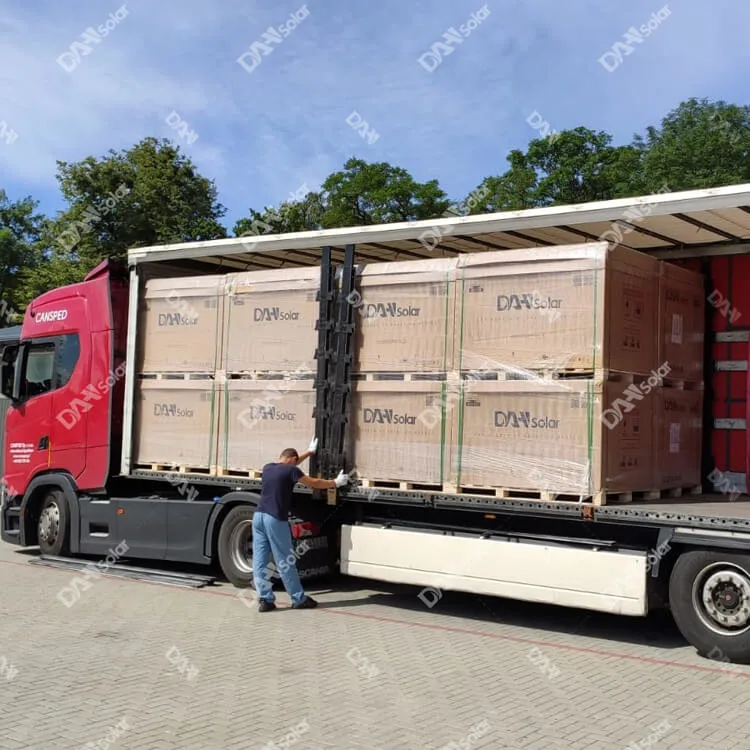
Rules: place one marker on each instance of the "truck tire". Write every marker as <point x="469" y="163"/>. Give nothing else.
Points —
<point x="709" y="595"/>
<point x="53" y="527"/>
<point x="235" y="546"/>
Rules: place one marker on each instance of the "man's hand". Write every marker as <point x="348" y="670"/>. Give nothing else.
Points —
<point x="341" y="479"/>
<point x="313" y="445"/>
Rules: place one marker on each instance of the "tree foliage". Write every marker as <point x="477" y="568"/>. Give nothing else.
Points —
<point x="152" y="194"/>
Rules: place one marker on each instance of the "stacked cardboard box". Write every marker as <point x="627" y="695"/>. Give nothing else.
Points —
<point x="270" y="334"/>
<point x="527" y="369"/>
<point x="403" y="355"/>
<point x="175" y="393"/>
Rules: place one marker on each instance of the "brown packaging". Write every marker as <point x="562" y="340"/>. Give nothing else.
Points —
<point x="681" y="322"/>
<point x="271" y="317"/>
<point x="405" y="316"/>
<point x="398" y="432"/>
<point x="553" y="436"/>
<point x="259" y="418"/>
<point x="679" y="427"/>
<point x="180" y="324"/>
<point x="175" y="423"/>
<point x="579" y="307"/>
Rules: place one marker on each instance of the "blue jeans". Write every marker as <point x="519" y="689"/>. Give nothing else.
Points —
<point x="273" y="536"/>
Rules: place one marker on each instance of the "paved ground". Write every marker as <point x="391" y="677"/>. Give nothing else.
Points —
<point x="138" y="665"/>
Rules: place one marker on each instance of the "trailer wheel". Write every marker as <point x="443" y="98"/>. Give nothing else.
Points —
<point x="709" y="593"/>
<point x="235" y="546"/>
<point x="53" y="525"/>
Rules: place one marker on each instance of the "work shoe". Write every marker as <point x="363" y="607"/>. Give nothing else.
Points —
<point x="306" y="603"/>
<point x="265" y="606"/>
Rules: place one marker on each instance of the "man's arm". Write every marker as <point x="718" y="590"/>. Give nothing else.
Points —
<point x="304" y="456"/>
<point x="317" y="484"/>
<point x="324" y="484"/>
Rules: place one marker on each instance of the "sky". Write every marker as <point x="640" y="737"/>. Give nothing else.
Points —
<point x="344" y="79"/>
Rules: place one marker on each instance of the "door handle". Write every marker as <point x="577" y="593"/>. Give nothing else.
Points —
<point x="43" y="443"/>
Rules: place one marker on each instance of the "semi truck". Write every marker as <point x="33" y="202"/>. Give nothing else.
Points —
<point x="71" y="486"/>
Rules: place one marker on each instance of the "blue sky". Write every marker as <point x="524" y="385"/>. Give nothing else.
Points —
<point x="263" y="134"/>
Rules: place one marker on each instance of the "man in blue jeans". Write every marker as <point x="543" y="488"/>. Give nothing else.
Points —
<point x="271" y="530"/>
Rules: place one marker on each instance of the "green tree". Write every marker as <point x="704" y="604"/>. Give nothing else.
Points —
<point x="700" y="144"/>
<point x="300" y="215"/>
<point x="574" y="166"/>
<point x="20" y="228"/>
<point x="363" y="194"/>
<point x="149" y="194"/>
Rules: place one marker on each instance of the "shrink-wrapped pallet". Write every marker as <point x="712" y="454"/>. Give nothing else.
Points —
<point x="175" y="423"/>
<point x="576" y="437"/>
<point x="405" y="316"/>
<point x="582" y="307"/>
<point x="260" y="418"/>
<point x="181" y="322"/>
<point x="270" y="321"/>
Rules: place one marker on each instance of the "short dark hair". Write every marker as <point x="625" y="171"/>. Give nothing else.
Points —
<point x="289" y="453"/>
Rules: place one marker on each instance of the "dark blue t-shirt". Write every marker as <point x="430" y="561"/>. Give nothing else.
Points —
<point x="277" y="489"/>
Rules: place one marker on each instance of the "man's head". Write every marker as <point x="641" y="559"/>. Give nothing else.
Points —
<point x="289" y="456"/>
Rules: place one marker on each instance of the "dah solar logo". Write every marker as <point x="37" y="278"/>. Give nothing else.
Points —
<point x="387" y="416"/>
<point x="527" y="301"/>
<point x="270" y="413"/>
<point x="273" y="315"/>
<point x="518" y="419"/>
<point x="176" y="319"/>
<point x="389" y="310"/>
<point x="171" y="410"/>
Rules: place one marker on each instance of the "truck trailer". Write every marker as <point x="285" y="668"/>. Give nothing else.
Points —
<point x="72" y="485"/>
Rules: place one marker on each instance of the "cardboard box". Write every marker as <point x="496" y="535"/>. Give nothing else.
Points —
<point x="400" y="431"/>
<point x="270" y="321"/>
<point x="554" y="436"/>
<point x="682" y="303"/>
<point x="175" y="423"/>
<point x="678" y="443"/>
<point x="180" y="324"/>
<point x="580" y="307"/>
<point x="405" y="316"/>
<point x="259" y="418"/>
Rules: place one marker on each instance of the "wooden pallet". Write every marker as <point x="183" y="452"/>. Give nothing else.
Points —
<point x="603" y="497"/>
<point x="176" y="376"/>
<point x="174" y="469"/>
<point x="387" y="484"/>
<point x="271" y="375"/>
<point x="220" y="471"/>
<point x="404" y="377"/>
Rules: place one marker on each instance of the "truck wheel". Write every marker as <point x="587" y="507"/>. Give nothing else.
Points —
<point x="236" y="546"/>
<point x="709" y="594"/>
<point x="53" y="526"/>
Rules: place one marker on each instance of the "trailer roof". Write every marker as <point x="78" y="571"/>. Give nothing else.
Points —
<point x="693" y="223"/>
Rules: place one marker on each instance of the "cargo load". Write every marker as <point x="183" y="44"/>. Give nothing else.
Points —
<point x="582" y="308"/>
<point x="400" y="431"/>
<point x="553" y="436"/>
<point x="682" y="302"/>
<point x="259" y="419"/>
<point x="175" y="423"/>
<point x="270" y="321"/>
<point x="679" y="436"/>
<point x="405" y="316"/>
<point x="181" y="321"/>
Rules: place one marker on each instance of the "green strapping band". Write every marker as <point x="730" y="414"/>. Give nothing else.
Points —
<point x="589" y="390"/>
<point x="217" y="346"/>
<point x="444" y="387"/>
<point x="461" y="382"/>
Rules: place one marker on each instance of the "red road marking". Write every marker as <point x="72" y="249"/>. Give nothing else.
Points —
<point x="465" y="631"/>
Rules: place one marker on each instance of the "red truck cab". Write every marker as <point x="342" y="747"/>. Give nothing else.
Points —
<point x="65" y="382"/>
